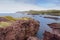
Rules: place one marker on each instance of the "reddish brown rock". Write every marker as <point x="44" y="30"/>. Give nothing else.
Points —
<point x="19" y="30"/>
<point x="54" y="25"/>
<point x="32" y="38"/>
<point x="31" y="27"/>
<point x="50" y="36"/>
<point x="55" y="34"/>
<point x="55" y="28"/>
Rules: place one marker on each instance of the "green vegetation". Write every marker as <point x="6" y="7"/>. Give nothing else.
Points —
<point x="14" y="19"/>
<point x="10" y="18"/>
<point x="4" y="24"/>
<point x="45" y="12"/>
<point x="24" y="18"/>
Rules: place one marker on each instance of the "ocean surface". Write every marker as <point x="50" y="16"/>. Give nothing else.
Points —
<point x="43" y="21"/>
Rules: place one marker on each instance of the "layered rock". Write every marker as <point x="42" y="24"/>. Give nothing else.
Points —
<point x="50" y="36"/>
<point x="55" y="34"/>
<point x="55" y="28"/>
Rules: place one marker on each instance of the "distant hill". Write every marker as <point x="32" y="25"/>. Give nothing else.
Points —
<point x="43" y="12"/>
<point x="20" y="12"/>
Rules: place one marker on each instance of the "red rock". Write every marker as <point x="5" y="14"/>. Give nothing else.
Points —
<point x="54" y="25"/>
<point x="50" y="36"/>
<point x="19" y="30"/>
<point x="55" y="34"/>
<point x="55" y="28"/>
<point x="32" y="38"/>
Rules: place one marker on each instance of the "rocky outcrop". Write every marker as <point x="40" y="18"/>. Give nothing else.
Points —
<point x="54" y="25"/>
<point x="55" y="34"/>
<point x="19" y="30"/>
<point x="55" y="28"/>
<point x="50" y="36"/>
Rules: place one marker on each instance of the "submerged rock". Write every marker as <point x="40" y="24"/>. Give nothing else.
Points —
<point x="56" y="18"/>
<point x="19" y="30"/>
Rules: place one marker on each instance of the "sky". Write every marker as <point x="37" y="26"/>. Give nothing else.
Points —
<point x="11" y="6"/>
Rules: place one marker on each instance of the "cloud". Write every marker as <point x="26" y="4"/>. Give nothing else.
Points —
<point x="23" y="5"/>
<point x="18" y="7"/>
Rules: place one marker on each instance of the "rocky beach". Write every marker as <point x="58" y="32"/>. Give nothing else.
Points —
<point x="28" y="27"/>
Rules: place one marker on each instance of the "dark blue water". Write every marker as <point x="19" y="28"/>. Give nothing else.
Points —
<point x="43" y="21"/>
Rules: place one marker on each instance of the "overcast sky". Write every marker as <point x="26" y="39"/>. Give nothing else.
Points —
<point x="10" y="6"/>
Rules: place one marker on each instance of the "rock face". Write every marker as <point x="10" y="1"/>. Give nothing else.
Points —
<point x="50" y="36"/>
<point x="55" y="34"/>
<point x="19" y="30"/>
<point x="54" y="25"/>
<point x="55" y="28"/>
